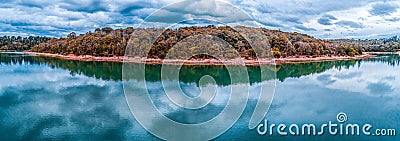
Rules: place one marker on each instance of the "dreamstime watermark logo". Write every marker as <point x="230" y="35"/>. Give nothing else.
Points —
<point x="332" y="128"/>
<point x="341" y="117"/>
<point x="224" y="47"/>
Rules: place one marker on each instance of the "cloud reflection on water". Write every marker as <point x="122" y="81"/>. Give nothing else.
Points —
<point x="50" y="103"/>
<point x="42" y="102"/>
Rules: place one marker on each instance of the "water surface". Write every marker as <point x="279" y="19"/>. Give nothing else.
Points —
<point x="48" y="98"/>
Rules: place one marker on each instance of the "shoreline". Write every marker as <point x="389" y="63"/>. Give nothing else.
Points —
<point x="382" y="53"/>
<point x="261" y="61"/>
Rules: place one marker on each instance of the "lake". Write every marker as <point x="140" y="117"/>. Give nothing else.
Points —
<point x="45" y="98"/>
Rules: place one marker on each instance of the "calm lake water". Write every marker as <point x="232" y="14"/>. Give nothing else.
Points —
<point x="47" y="98"/>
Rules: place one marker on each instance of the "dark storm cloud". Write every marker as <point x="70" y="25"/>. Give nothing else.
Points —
<point x="326" y="20"/>
<point x="393" y="19"/>
<point x="293" y="20"/>
<point x="86" y="6"/>
<point x="350" y="24"/>
<point x="301" y="27"/>
<point x="383" y="9"/>
<point x="130" y="8"/>
<point x="270" y="23"/>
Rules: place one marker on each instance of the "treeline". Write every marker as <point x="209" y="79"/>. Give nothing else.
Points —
<point x="12" y="43"/>
<point x="390" y="44"/>
<point x="110" y="42"/>
<point x="102" y="42"/>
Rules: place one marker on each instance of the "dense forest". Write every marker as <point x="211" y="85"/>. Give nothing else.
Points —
<point x="109" y="42"/>
<point x="391" y="44"/>
<point x="12" y="43"/>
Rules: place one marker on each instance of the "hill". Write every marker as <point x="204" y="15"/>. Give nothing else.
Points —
<point x="107" y="42"/>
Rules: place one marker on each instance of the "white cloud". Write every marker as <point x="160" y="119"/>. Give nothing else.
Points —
<point x="353" y="18"/>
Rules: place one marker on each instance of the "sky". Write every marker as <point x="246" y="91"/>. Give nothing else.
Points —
<point x="325" y="19"/>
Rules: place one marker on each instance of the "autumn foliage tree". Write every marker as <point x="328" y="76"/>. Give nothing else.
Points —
<point x="109" y="42"/>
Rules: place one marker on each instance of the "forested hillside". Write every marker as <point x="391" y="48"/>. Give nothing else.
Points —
<point x="12" y="43"/>
<point x="110" y="42"/>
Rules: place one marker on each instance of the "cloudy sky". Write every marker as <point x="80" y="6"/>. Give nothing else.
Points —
<point x="319" y="18"/>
